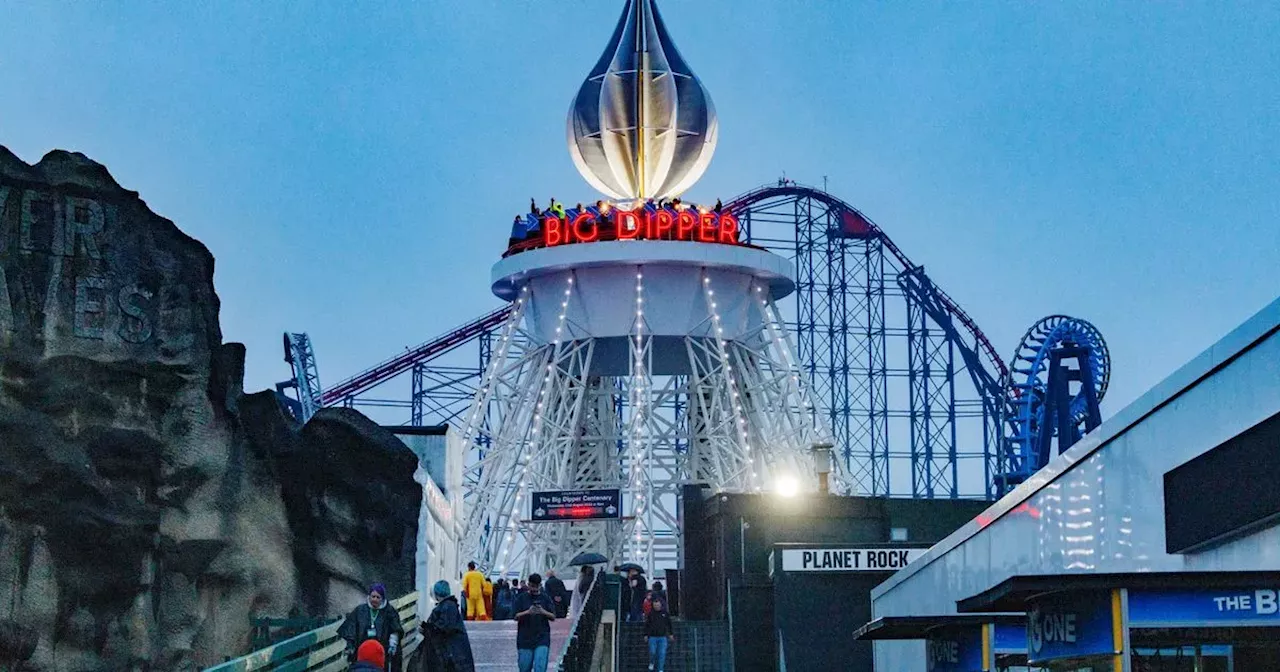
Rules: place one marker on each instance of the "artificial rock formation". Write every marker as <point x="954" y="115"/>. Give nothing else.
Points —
<point x="143" y="514"/>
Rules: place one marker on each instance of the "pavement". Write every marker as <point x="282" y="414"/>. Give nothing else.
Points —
<point x="493" y="644"/>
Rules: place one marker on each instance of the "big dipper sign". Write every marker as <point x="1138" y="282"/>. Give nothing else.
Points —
<point x="662" y="224"/>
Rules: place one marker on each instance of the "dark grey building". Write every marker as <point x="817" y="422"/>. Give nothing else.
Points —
<point x="745" y="561"/>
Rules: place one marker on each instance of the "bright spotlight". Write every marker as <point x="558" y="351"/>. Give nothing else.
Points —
<point x="787" y="486"/>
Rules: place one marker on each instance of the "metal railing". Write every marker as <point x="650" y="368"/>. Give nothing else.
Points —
<point x="322" y="650"/>
<point x="577" y="654"/>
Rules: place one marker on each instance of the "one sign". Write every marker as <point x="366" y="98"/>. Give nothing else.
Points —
<point x="1205" y="608"/>
<point x="560" y="505"/>
<point x="848" y="559"/>
<point x="664" y="224"/>
<point x="1070" y="625"/>
<point x="955" y="649"/>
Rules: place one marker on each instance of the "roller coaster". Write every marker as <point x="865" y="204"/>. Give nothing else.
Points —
<point x="919" y="401"/>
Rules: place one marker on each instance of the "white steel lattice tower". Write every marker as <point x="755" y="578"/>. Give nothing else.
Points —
<point x="632" y="360"/>
<point x="640" y="365"/>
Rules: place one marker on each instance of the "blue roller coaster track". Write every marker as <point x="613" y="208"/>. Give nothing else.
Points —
<point x="1058" y="377"/>
<point x="920" y="404"/>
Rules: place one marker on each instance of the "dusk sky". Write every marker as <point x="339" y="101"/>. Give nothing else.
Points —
<point x="354" y="167"/>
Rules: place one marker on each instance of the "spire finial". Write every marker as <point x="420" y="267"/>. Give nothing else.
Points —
<point x="642" y="124"/>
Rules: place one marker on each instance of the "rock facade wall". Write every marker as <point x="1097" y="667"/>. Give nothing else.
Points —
<point x="143" y="514"/>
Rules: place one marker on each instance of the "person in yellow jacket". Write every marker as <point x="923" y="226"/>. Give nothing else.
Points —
<point x="488" y="600"/>
<point x="473" y="590"/>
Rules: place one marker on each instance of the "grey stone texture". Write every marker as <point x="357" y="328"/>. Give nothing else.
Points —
<point x="147" y="506"/>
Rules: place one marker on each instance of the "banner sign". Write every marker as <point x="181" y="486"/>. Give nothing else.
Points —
<point x="848" y="559"/>
<point x="570" y="505"/>
<point x="1070" y="625"/>
<point x="1204" y="608"/>
<point x="1009" y="639"/>
<point x="954" y="649"/>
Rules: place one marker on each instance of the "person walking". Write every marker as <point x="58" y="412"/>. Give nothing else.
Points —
<point x="473" y="591"/>
<point x="638" y="586"/>
<point x="659" y="632"/>
<point x="370" y="657"/>
<point x="502" y="598"/>
<point x="557" y="593"/>
<point x="376" y="620"/>
<point x="534" y="613"/>
<point x="445" y="645"/>
<point x="580" y="591"/>
<point x="488" y="599"/>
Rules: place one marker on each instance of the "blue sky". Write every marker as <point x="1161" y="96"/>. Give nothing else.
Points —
<point x="354" y="167"/>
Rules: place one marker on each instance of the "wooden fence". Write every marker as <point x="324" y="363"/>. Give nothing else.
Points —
<point x="321" y="650"/>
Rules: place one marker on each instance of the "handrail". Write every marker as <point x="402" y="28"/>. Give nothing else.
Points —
<point x="576" y="647"/>
<point x="321" y="650"/>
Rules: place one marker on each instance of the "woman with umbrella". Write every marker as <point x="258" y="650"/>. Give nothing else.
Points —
<point x="585" y="576"/>
<point x="636" y="589"/>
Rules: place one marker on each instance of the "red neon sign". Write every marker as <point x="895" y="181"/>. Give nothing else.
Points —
<point x="686" y="225"/>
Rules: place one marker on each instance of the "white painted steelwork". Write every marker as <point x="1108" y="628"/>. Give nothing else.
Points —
<point x="640" y="365"/>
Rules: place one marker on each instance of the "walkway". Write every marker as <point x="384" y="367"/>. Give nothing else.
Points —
<point x="493" y="643"/>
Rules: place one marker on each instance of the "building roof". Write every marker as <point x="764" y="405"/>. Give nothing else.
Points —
<point x="1257" y="328"/>
<point x="919" y="627"/>
<point x="1014" y="593"/>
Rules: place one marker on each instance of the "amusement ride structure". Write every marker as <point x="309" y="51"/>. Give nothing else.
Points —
<point x="646" y="343"/>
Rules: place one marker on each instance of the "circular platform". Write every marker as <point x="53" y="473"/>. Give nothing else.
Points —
<point x="511" y="273"/>
<point x="670" y="278"/>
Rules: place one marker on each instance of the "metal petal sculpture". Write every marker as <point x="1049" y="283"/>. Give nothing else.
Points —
<point x="642" y="125"/>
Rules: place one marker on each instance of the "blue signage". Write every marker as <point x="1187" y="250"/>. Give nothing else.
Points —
<point x="1009" y="639"/>
<point x="1204" y="608"/>
<point x="1070" y="625"/>
<point x="955" y="649"/>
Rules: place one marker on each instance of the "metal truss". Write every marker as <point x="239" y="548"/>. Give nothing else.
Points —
<point x="738" y="416"/>
<point x="306" y="377"/>
<point x="907" y="383"/>
<point x="905" y="378"/>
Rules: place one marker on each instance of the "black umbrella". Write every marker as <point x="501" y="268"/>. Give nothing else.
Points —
<point x="588" y="559"/>
<point x="628" y="566"/>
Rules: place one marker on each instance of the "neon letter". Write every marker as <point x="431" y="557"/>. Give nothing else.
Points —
<point x="588" y="235"/>
<point x="554" y="231"/>
<point x="662" y="225"/>
<point x="628" y="224"/>
<point x="685" y="223"/>
<point x="728" y="228"/>
<point x="707" y="227"/>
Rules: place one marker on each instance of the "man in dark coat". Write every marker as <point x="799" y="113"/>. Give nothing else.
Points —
<point x="555" y="590"/>
<point x="445" y="645"/>
<point x="375" y="619"/>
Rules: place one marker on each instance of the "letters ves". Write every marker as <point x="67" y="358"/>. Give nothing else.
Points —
<point x="66" y="233"/>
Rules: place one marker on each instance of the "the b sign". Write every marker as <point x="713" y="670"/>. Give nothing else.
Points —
<point x="571" y="505"/>
<point x="1224" y="607"/>
<point x="848" y="559"/>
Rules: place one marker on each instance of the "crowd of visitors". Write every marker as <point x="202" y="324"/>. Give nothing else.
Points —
<point x="374" y="633"/>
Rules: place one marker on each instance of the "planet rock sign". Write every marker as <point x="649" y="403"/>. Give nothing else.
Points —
<point x="642" y="125"/>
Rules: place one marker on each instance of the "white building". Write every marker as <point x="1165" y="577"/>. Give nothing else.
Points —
<point x="440" y="457"/>
<point x="1168" y="511"/>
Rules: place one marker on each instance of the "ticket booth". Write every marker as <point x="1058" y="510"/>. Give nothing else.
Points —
<point x="1144" y="622"/>
<point x="958" y="642"/>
